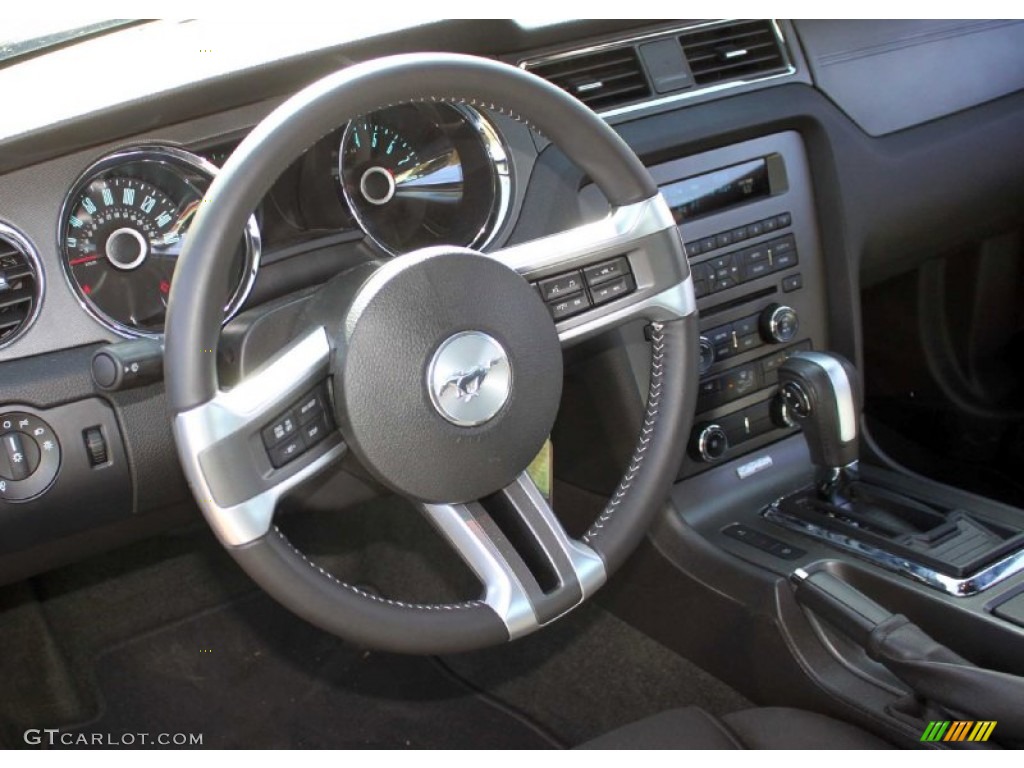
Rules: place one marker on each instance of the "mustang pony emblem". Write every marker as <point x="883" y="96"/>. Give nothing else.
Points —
<point x="467" y="383"/>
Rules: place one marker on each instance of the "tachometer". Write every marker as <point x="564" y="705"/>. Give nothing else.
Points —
<point x="123" y="227"/>
<point x="425" y="174"/>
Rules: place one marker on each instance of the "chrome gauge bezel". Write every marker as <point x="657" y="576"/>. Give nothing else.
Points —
<point x="172" y="157"/>
<point x="28" y="250"/>
<point x="501" y="168"/>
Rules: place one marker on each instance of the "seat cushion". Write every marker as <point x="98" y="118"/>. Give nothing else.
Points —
<point x="763" y="728"/>
<point x="784" y="728"/>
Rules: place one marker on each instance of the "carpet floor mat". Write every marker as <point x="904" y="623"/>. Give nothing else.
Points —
<point x="251" y="675"/>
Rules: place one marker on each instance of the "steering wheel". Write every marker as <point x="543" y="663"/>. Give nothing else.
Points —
<point x="441" y="371"/>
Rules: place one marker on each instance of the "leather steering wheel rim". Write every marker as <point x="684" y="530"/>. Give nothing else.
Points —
<point x="205" y="417"/>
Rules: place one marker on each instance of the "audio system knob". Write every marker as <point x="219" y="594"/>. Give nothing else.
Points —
<point x="779" y="324"/>
<point x="707" y="354"/>
<point x="709" y="443"/>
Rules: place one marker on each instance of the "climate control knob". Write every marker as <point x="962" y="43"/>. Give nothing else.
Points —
<point x="709" y="443"/>
<point x="707" y="354"/>
<point x="779" y="324"/>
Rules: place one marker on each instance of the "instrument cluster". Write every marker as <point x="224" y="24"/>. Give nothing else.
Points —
<point x="408" y="176"/>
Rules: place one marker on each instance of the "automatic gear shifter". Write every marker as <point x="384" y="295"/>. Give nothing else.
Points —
<point x="820" y="393"/>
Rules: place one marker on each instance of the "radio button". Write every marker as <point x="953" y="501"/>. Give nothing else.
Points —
<point x="613" y="290"/>
<point x="609" y="270"/>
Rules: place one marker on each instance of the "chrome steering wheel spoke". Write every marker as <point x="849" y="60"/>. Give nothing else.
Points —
<point x="228" y="460"/>
<point x="645" y="233"/>
<point x="532" y="571"/>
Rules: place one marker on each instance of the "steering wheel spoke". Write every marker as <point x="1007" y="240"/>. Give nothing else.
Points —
<point x="657" y="287"/>
<point x="249" y="445"/>
<point x="532" y="571"/>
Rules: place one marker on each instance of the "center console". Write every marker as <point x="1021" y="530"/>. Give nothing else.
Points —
<point x="747" y="217"/>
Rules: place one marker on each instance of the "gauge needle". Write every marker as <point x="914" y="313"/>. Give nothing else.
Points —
<point x="84" y="259"/>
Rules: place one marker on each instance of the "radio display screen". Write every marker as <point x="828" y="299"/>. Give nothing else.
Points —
<point x="715" y="191"/>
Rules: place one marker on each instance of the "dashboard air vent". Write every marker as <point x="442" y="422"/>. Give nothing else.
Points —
<point x="731" y="51"/>
<point x="602" y="79"/>
<point x="21" y="285"/>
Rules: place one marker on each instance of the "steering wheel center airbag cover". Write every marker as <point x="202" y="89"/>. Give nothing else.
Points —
<point x="400" y="338"/>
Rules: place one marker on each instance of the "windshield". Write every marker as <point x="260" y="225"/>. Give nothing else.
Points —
<point x="21" y="37"/>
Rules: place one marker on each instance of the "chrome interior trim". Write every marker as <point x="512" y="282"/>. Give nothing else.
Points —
<point x="24" y="245"/>
<point x="167" y="155"/>
<point x="494" y="148"/>
<point x="587" y="565"/>
<point x="673" y="98"/>
<point x="965" y="587"/>
<point x="843" y="389"/>
<point x="503" y="591"/>
<point x="242" y="408"/>
<point x="671" y="304"/>
<point x="613" y="235"/>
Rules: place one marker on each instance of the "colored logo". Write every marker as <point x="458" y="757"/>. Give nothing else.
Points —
<point x="958" y="730"/>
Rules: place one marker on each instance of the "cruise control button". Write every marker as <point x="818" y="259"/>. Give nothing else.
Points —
<point x="279" y="430"/>
<point x="563" y="285"/>
<point x="609" y="270"/>
<point x="315" y="431"/>
<point x="310" y="407"/>
<point x="568" y="307"/>
<point x="613" y="290"/>
<point x="286" y="451"/>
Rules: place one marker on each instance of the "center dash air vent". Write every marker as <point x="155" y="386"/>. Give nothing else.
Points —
<point x="602" y="79"/>
<point x="21" y="285"/>
<point x="731" y="51"/>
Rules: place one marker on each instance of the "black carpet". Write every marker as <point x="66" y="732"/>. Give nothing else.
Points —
<point x="250" y="675"/>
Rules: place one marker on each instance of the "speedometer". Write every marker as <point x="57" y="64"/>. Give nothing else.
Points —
<point x="123" y="227"/>
<point x="425" y="174"/>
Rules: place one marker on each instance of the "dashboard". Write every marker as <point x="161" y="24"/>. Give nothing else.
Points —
<point x="788" y="190"/>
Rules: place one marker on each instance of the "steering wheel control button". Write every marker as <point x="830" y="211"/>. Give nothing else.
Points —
<point x="613" y="290"/>
<point x="311" y="407"/>
<point x="29" y="456"/>
<point x="299" y="428"/>
<point x="569" y="307"/>
<point x="563" y="285"/>
<point x="283" y="428"/>
<point x="608" y="270"/>
<point x="286" y="451"/>
<point x="469" y="378"/>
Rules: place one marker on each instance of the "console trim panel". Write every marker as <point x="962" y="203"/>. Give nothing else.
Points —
<point x="974" y="584"/>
